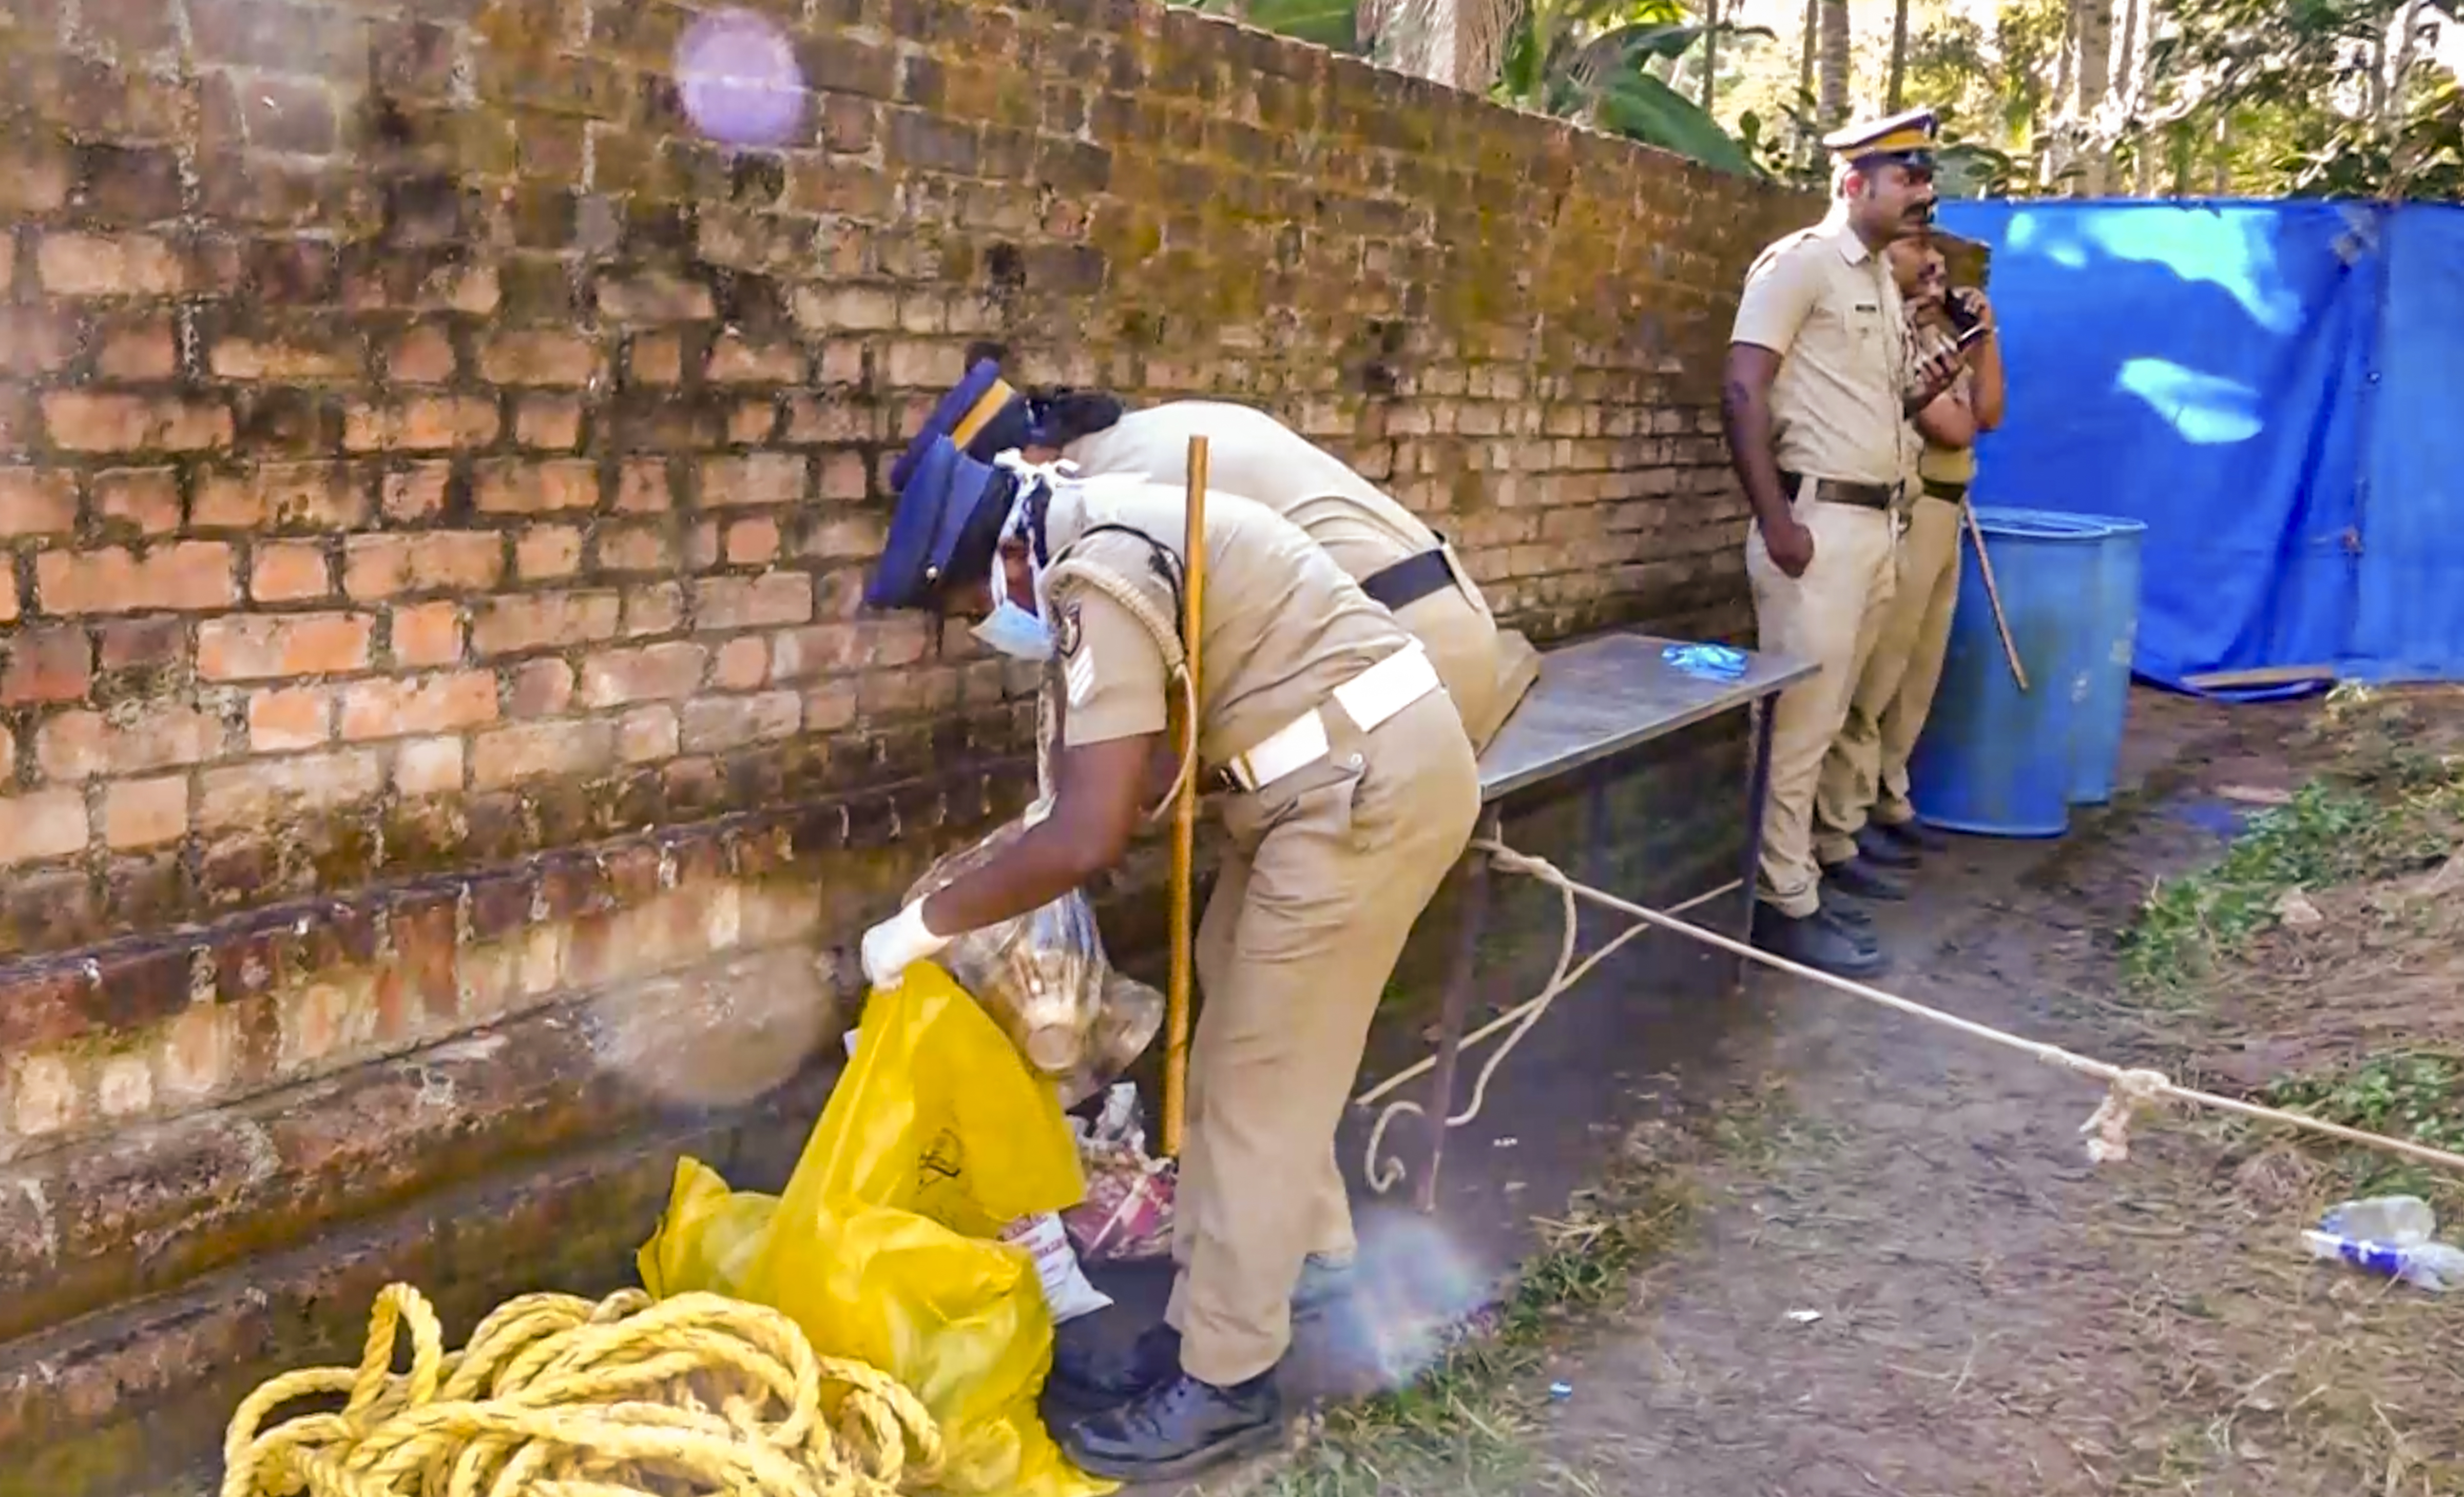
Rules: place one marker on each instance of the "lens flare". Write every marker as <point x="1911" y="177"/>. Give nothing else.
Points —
<point x="739" y="80"/>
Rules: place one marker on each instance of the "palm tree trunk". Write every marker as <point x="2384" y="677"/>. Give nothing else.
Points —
<point x="1710" y="56"/>
<point x="1809" y="147"/>
<point x="2094" y="80"/>
<point x="1896" y="95"/>
<point x="2392" y="102"/>
<point x="1834" y="62"/>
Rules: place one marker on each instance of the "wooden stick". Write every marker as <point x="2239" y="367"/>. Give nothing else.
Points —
<point x="1184" y="814"/>
<point x="1994" y="596"/>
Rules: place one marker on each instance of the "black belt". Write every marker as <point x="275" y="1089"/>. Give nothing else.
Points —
<point x="1835" y="490"/>
<point x="1940" y="489"/>
<point x="1409" y="581"/>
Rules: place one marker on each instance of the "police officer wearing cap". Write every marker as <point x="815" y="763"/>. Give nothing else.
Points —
<point x="1352" y="788"/>
<point x="1396" y="559"/>
<point x="1863" y="809"/>
<point x="1816" y="399"/>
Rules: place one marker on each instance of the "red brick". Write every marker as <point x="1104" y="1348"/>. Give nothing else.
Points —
<point x="263" y="792"/>
<point x="656" y="609"/>
<point x="188" y="576"/>
<point x="828" y="709"/>
<point x="85" y="745"/>
<point x="541" y="688"/>
<point x="143" y="644"/>
<point x="751" y="423"/>
<point x="844" y="477"/>
<point x="259" y="647"/>
<point x="802" y="654"/>
<point x="654" y="671"/>
<point x="449" y="560"/>
<point x="635" y="548"/>
<point x="289" y="572"/>
<point x="96" y="265"/>
<point x="295" y="718"/>
<point x="508" y="626"/>
<point x="511" y="486"/>
<point x="547" y="551"/>
<point x="646" y="734"/>
<point x="713" y="724"/>
<point x="436" y="704"/>
<point x="314" y="496"/>
<point x="87" y="422"/>
<point x="420" y="424"/>
<point x="657" y="299"/>
<point x="753" y="543"/>
<point x="51" y="664"/>
<point x="735" y="603"/>
<point x="48" y="823"/>
<point x="9" y="609"/>
<point x="641" y="486"/>
<point x="144" y="499"/>
<point x="145" y="350"/>
<point x="36" y="176"/>
<point x="733" y="360"/>
<point x="428" y="634"/>
<point x="422" y="356"/>
<point x="657" y="359"/>
<point x="428" y="766"/>
<point x="537" y="750"/>
<point x="754" y="478"/>
<point x="254" y="359"/>
<point x="552" y="422"/>
<point x="741" y="665"/>
<point x="144" y="813"/>
<point x="540" y="358"/>
<point x="37" y="502"/>
<point x="701" y="546"/>
<point x="34" y="340"/>
<point x="417" y="491"/>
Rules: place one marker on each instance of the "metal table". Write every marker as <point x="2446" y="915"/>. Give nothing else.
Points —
<point x="1593" y="700"/>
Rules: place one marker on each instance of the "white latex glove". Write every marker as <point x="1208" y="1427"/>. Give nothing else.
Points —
<point x="897" y="945"/>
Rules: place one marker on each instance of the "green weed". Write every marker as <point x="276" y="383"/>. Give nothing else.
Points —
<point x="2417" y="1095"/>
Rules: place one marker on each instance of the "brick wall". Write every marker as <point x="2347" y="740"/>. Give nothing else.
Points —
<point x="425" y="449"/>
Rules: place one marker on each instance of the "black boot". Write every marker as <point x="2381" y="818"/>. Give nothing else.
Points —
<point x="1885" y="851"/>
<point x="1089" y="1374"/>
<point x="1915" y="834"/>
<point x="1176" y="1430"/>
<point x="1858" y="877"/>
<point x="1851" y="917"/>
<point x="1816" y="940"/>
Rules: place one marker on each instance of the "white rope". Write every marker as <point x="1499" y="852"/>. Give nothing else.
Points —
<point x="2108" y="1130"/>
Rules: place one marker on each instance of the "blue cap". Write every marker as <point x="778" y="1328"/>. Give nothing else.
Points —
<point x="984" y="415"/>
<point x="944" y="489"/>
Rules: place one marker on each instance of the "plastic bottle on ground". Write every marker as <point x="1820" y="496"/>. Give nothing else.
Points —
<point x="2388" y="1235"/>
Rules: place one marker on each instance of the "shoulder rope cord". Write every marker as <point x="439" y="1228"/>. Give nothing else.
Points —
<point x="1166" y="633"/>
<point x="2108" y="1130"/>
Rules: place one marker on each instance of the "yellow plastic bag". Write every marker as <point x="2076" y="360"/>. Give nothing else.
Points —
<point x="935" y="1136"/>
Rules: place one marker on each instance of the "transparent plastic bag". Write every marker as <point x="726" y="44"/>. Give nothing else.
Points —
<point x="1043" y="976"/>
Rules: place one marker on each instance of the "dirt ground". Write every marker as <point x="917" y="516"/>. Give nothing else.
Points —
<point x="1882" y="1262"/>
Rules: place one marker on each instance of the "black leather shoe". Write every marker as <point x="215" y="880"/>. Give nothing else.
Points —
<point x="1858" y="877"/>
<point x="1815" y="941"/>
<point x="1886" y="852"/>
<point x="1086" y="1371"/>
<point x="1850" y="917"/>
<point x="1176" y="1430"/>
<point x="1915" y="834"/>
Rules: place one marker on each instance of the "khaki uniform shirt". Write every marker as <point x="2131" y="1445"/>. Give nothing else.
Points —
<point x="1251" y="454"/>
<point x="1828" y="306"/>
<point x="1951" y="464"/>
<point x="1284" y="625"/>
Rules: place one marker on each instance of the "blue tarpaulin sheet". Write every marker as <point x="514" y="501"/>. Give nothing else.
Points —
<point x="2262" y="385"/>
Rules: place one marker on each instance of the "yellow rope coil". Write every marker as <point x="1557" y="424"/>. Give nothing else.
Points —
<point x="557" y="1397"/>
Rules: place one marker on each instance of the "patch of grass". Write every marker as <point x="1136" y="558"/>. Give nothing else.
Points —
<point x="1468" y="1427"/>
<point x="2335" y="830"/>
<point x="2418" y="1096"/>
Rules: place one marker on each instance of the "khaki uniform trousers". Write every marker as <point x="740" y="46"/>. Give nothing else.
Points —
<point x="1325" y="873"/>
<point x="1866" y="775"/>
<point x="1831" y="617"/>
<point x="1485" y="669"/>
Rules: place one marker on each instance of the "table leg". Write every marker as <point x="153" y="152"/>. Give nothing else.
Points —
<point x="1758" y="732"/>
<point x="1461" y="980"/>
<point x="1596" y="834"/>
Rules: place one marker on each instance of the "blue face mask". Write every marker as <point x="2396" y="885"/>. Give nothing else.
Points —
<point x="1016" y="632"/>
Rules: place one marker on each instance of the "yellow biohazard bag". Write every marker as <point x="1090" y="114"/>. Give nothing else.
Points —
<point x="935" y="1136"/>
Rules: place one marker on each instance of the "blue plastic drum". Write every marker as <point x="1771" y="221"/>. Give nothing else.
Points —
<point x="1994" y="760"/>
